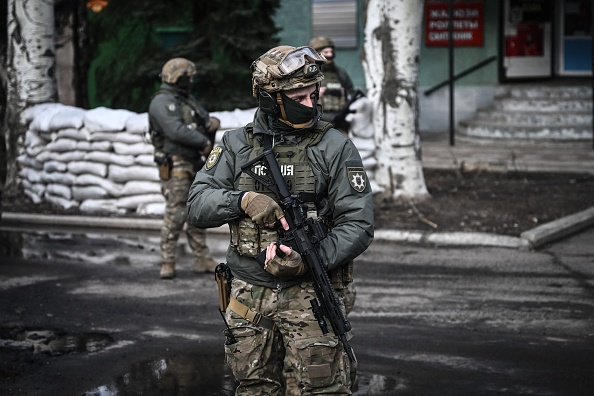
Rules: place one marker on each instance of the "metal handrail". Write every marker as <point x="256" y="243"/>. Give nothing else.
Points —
<point x="461" y="74"/>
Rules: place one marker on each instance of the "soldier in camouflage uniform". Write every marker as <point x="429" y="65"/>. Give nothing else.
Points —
<point x="269" y="312"/>
<point x="182" y="133"/>
<point x="337" y="86"/>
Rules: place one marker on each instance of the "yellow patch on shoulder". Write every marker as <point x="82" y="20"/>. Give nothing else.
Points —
<point x="213" y="158"/>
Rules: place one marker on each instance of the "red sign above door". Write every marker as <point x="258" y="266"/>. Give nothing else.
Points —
<point x="467" y="21"/>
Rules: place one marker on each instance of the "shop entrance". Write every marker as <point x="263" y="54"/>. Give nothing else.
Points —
<point x="546" y="39"/>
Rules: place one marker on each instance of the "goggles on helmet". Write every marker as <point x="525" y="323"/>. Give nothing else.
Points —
<point x="295" y="60"/>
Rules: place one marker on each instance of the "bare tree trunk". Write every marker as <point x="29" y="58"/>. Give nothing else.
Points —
<point x="391" y="62"/>
<point x="30" y="67"/>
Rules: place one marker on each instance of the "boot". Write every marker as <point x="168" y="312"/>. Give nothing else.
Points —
<point x="167" y="270"/>
<point x="205" y="264"/>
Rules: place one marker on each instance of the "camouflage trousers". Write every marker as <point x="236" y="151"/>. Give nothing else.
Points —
<point x="175" y="190"/>
<point x="319" y="362"/>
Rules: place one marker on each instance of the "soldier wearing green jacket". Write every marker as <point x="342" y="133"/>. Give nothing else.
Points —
<point x="269" y="314"/>
<point x="182" y="133"/>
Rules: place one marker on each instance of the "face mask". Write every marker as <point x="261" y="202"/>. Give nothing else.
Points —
<point x="298" y="113"/>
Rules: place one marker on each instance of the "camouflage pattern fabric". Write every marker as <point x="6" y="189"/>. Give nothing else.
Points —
<point x="175" y="191"/>
<point x="319" y="362"/>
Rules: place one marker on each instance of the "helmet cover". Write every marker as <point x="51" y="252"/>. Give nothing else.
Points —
<point x="175" y="68"/>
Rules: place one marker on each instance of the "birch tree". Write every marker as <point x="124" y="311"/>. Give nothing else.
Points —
<point x="30" y="65"/>
<point x="392" y="41"/>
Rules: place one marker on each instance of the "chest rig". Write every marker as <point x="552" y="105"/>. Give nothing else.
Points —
<point x="334" y="97"/>
<point x="248" y="238"/>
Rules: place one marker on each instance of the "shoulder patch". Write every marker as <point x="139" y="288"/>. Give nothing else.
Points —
<point x="171" y="106"/>
<point x="213" y="158"/>
<point x="357" y="178"/>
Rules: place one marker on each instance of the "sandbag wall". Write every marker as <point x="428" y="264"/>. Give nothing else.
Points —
<point x="100" y="160"/>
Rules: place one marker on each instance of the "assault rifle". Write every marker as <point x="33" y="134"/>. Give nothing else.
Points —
<point x="303" y="235"/>
<point x="339" y="119"/>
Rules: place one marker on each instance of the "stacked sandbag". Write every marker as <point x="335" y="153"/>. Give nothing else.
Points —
<point x="100" y="160"/>
<point x="97" y="160"/>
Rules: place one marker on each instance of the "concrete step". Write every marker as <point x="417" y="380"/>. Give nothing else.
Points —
<point x="534" y="118"/>
<point x="546" y="91"/>
<point x="542" y="105"/>
<point x="476" y="128"/>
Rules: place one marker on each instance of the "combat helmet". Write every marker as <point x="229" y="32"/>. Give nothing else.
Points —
<point x="284" y="68"/>
<point x="320" y="42"/>
<point x="175" y="68"/>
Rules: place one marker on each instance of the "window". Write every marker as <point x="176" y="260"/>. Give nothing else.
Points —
<point x="336" y="19"/>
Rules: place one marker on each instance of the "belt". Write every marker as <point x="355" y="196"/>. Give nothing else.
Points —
<point x="251" y="315"/>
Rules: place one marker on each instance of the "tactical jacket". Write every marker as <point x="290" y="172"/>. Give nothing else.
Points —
<point x="340" y="181"/>
<point x="180" y="119"/>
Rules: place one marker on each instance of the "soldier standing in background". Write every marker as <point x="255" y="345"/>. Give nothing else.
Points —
<point x="270" y="318"/>
<point x="337" y="86"/>
<point x="183" y="134"/>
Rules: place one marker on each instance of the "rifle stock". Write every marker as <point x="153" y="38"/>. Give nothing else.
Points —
<point x="303" y="235"/>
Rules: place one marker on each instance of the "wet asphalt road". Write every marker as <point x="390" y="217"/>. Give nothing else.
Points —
<point x="87" y="314"/>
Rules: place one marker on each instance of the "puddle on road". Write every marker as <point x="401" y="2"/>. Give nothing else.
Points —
<point x="53" y="342"/>
<point x="196" y="374"/>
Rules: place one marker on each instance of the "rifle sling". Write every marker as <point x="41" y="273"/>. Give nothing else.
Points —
<point x="251" y="315"/>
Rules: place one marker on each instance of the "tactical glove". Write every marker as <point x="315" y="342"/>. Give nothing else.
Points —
<point x="263" y="210"/>
<point x="206" y="149"/>
<point x="290" y="265"/>
<point x="212" y="125"/>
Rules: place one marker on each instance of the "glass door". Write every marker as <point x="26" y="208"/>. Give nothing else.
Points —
<point x="527" y="51"/>
<point x="575" y="41"/>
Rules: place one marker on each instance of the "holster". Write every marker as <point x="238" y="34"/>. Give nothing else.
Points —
<point x="164" y="162"/>
<point x="223" y="277"/>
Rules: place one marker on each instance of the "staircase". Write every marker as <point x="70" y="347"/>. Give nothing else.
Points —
<point x="555" y="111"/>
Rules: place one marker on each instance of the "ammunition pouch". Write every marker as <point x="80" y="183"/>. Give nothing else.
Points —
<point x="341" y="277"/>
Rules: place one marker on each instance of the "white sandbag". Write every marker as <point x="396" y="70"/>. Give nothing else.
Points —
<point x="74" y="134"/>
<point x="122" y="137"/>
<point x="101" y="146"/>
<point x="82" y="193"/>
<point x="137" y="123"/>
<point x="83" y="146"/>
<point x="132" y="202"/>
<point x="29" y="162"/>
<point x="151" y="209"/>
<point x="59" y="190"/>
<point x="58" y="177"/>
<point x="36" y="188"/>
<point x="93" y="168"/>
<point x="34" y="151"/>
<point x="364" y="144"/>
<point x="145" y="159"/>
<point x="110" y="158"/>
<point x="136" y="187"/>
<point x="54" y="166"/>
<point x="132" y="149"/>
<point x="42" y="119"/>
<point x="114" y="189"/>
<point x="59" y="201"/>
<point x="30" y="113"/>
<point x="32" y="139"/>
<point x="362" y="118"/>
<point x="121" y="174"/>
<point x="34" y="197"/>
<point x="234" y="119"/>
<point x="69" y="156"/>
<point x="100" y="206"/>
<point x="102" y="119"/>
<point x="61" y="145"/>
<point x="369" y="163"/>
<point x="67" y="117"/>
<point x="32" y="175"/>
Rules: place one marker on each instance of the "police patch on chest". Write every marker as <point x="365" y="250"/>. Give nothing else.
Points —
<point x="357" y="178"/>
<point x="213" y="158"/>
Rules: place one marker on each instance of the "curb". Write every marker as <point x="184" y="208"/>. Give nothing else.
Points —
<point x="531" y="239"/>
